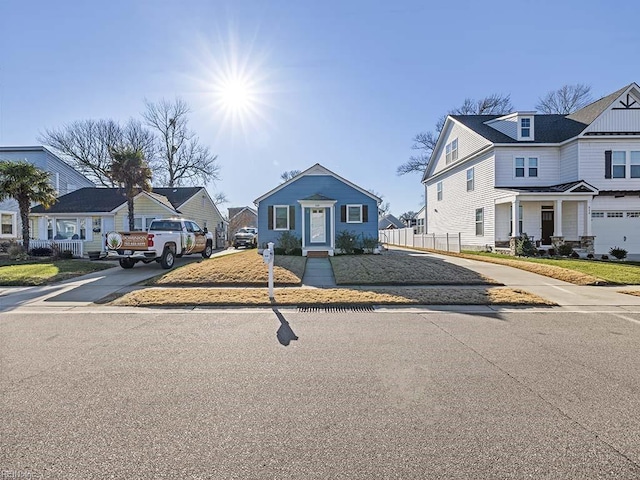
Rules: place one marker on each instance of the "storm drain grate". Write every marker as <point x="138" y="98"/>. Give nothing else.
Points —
<point x="335" y="308"/>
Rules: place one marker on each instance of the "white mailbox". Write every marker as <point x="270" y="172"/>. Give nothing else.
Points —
<point x="266" y="255"/>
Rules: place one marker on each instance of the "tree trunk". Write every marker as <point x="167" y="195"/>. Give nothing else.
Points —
<point x="23" y="205"/>
<point x="131" y="219"/>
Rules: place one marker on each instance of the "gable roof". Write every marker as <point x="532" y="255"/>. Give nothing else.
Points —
<point x="235" y="211"/>
<point x="592" y="111"/>
<point x="317" y="169"/>
<point x="388" y="220"/>
<point x="16" y="150"/>
<point x="104" y="200"/>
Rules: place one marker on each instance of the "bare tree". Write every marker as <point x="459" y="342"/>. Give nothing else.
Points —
<point x="384" y="206"/>
<point x="425" y="142"/>
<point x="180" y="158"/>
<point x="407" y="217"/>
<point x="86" y="145"/>
<point x="565" y="100"/>
<point x="220" y="198"/>
<point x="286" y="176"/>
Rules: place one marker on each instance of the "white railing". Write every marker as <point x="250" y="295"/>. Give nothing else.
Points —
<point x="405" y="237"/>
<point x="74" y="246"/>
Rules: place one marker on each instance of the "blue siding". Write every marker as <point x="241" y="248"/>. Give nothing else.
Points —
<point x="327" y="186"/>
<point x="63" y="177"/>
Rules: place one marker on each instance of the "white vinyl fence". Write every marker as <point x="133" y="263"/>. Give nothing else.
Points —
<point x="74" y="246"/>
<point x="404" y="237"/>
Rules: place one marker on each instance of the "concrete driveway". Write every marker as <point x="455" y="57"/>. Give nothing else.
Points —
<point x="90" y="288"/>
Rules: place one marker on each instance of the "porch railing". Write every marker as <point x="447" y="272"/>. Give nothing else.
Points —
<point x="74" y="246"/>
<point x="405" y="237"/>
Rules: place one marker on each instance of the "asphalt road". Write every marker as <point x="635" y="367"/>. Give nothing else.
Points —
<point x="264" y="394"/>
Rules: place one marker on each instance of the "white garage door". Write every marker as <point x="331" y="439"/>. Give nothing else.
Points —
<point x="616" y="229"/>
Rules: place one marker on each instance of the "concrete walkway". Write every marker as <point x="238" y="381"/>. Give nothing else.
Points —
<point x="318" y="273"/>
<point x="562" y="293"/>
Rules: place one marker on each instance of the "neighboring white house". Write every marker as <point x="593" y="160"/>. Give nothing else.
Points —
<point x="63" y="178"/>
<point x="558" y="178"/>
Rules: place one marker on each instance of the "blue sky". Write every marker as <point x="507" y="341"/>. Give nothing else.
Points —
<point x="343" y="83"/>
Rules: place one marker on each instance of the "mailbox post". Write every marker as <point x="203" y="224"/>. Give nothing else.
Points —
<point x="267" y="257"/>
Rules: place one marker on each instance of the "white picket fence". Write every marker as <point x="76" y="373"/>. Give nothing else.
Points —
<point x="405" y="237"/>
<point x="74" y="246"/>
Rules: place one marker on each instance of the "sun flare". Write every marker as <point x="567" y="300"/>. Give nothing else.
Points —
<point x="236" y="84"/>
<point x="235" y="95"/>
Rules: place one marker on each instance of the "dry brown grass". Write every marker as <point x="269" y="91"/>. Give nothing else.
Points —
<point x="243" y="268"/>
<point x="630" y="292"/>
<point x="559" y="273"/>
<point x="336" y="296"/>
<point x="400" y="268"/>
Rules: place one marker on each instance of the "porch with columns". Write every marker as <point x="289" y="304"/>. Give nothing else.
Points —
<point x="531" y="214"/>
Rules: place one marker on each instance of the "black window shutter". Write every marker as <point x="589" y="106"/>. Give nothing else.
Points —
<point x="343" y="213"/>
<point x="292" y="217"/>
<point x="270" y="219"/>
<point x="607" y="164"/>
<point x="365" y="213"/>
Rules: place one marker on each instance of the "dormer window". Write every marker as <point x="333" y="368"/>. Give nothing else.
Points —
<point x="451" y="151"/>
<point x="525" y="128"/>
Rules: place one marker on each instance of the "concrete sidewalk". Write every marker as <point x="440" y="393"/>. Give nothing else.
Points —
<point x="562" y="293"/>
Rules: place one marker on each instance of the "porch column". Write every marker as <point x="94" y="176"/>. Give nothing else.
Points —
<point x="331" y="225"/>
<point x="304" y="244"/>
<point x="515" y="209"/>
<point x="557" y="227"/>
<point x="587" y="220"/>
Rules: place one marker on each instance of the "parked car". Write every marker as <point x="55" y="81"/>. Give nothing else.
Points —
<point x="246" y="237"/>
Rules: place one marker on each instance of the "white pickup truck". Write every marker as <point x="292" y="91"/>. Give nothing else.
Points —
<point x="166" y="239"/>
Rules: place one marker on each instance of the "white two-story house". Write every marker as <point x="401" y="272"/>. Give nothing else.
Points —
<point x="63" y="178"/>
<point x="558" y="178"/>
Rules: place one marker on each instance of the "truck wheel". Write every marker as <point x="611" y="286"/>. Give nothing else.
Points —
<point x="127" y="262"/>
<point x="168" y="258"/>
<point x="208" y="250"/>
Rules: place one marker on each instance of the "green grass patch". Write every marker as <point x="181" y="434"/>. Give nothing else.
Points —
<point x="621" y="273"/>
<point x="30" y="274"/>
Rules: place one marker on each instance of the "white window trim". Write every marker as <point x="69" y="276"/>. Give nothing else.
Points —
<point x="14" y="225"/>
<point x="530" y="127"/>
<point x="275" y="209"/>
<point x="471" y="180"/>
<point x="439" y="189"/>
<point x="479" y="222"/>
<point x="451" y="153"/>
<point x="360" y="216"/>
<point x="526" y="166"/>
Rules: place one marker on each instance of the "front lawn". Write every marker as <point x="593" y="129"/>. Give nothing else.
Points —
<point x="48" y="271"/>
<point x="238" y="269"/>
<point x="199" y="297"/>
<point x="599" y="271"/>
<point x="394" y="268"/>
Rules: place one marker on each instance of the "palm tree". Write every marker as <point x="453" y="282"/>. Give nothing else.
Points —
<point x="27" y="184"/>
<point x="130" y="169"/>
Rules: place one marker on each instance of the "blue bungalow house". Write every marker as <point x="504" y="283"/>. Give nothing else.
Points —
<point x="315" y="206"/>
